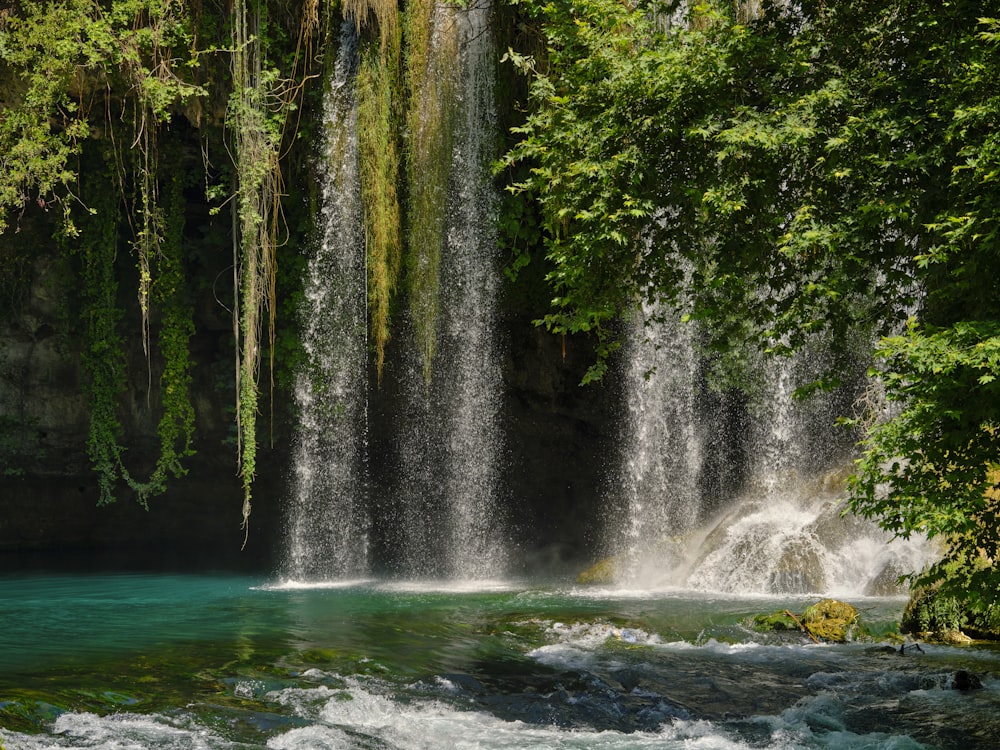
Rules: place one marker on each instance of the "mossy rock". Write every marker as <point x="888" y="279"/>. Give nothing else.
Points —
<point x="774" y="622"/>
<point x="945" y="618"/>
<point x="930" y="611"/>
<point x="949" y="637"/>
<point x="832" y="620"/>
<point x="603" y="572"/>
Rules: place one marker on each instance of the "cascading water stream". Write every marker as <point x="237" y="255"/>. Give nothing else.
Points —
<point x="663" y="451"/>
<point x="470" y="324"/>
<point x="327" y="519"/>
<point x="449" y="511"/>
<point x="783" y="530"/>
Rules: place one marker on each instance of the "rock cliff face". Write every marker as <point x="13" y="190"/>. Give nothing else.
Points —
<point x="562" y="442"/>
<point x="558" y="436"/>
<point x="48" y="491"/>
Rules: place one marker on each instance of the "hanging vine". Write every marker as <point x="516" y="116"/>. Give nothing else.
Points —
<point x="149" y="31"/>
<point x="431" y="72"/>
<point x="176" y="425"/>
<point x="378" y="93"/>
<point x="256" y="141"/>
<point x="140" y="60"/>
<point x="104" y="354"/>
<point x="132" y="43"/>
<point x="257" y="116"/>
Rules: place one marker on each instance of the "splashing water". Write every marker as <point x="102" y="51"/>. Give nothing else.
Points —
<point x="663" y="453"/>
<point x="782" y="528"/>
<point x="450" y="517"/>
<point x="327" y="519"/>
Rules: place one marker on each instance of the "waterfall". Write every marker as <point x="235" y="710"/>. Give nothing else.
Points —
<point x="477" y="548"/>
<point x="663" y="442"/>
<point x="778" y="525"/>
<point x="448" y="513"/>
<point x="327" y="524"/>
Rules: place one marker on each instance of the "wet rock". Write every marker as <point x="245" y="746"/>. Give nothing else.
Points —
<point x="885" y="582"/>
<point x="950" y="637"/>
<point x="882" y="650"/>
<point x="832" y="620"/>
<point x="965" y="680"/>
<point x="628" y="678"/>
<point x="799" y="570"/>
<point x="621" y="702"/>
<point x="835" y="480"/>
<point x="603" y="572"/>
<point x="464" y="682"/>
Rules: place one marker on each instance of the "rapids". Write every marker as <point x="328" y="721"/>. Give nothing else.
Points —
<point x="198" y="661"/>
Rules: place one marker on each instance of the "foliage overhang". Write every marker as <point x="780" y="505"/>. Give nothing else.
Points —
<point x="782" y="171"/>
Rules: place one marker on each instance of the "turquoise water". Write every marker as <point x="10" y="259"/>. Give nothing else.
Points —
<point x="182" y="661"/>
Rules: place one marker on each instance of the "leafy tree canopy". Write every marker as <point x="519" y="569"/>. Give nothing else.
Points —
<point x="778" y="170"/>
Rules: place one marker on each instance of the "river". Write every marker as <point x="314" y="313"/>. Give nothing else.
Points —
<point x="221" y="661"/>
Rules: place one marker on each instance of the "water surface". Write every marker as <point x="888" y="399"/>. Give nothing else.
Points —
<point x="182" y="661"/>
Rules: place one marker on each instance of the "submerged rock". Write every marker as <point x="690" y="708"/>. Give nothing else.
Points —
<point x="965" y="680"/>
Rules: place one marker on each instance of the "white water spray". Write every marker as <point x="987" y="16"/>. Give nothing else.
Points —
<point x="327" y="519"/>
<point x="663" y="446"/>
<point x="783" y="530"/>
<point x="451" y="444"/>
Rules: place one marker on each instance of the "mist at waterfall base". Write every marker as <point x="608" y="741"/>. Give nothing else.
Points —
<point x="162" y="661"/>
<point x="741" y="491"/>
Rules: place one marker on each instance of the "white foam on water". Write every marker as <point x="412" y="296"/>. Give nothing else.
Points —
<point x="449" y="586"/>
<point x="576" y="644"/>
<point x="317" y="737"/>
<point x="370" y="719"/>
<point x="767" y="652"/>
<point x="294" y="585"/>
<point x="583" y="646"/>
<point x="359" y="716"/>
<point x="124" y="731"/>
<point x="367" y="719"/>
<point x="664" y="590"/>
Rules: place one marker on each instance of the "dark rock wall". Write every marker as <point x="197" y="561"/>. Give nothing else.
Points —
<point x="48" y="492"/>
<point x="561" y="446"/>
<point x="558" y="436"/>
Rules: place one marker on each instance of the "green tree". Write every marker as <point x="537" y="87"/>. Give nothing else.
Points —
<point x="785" y="171"/>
